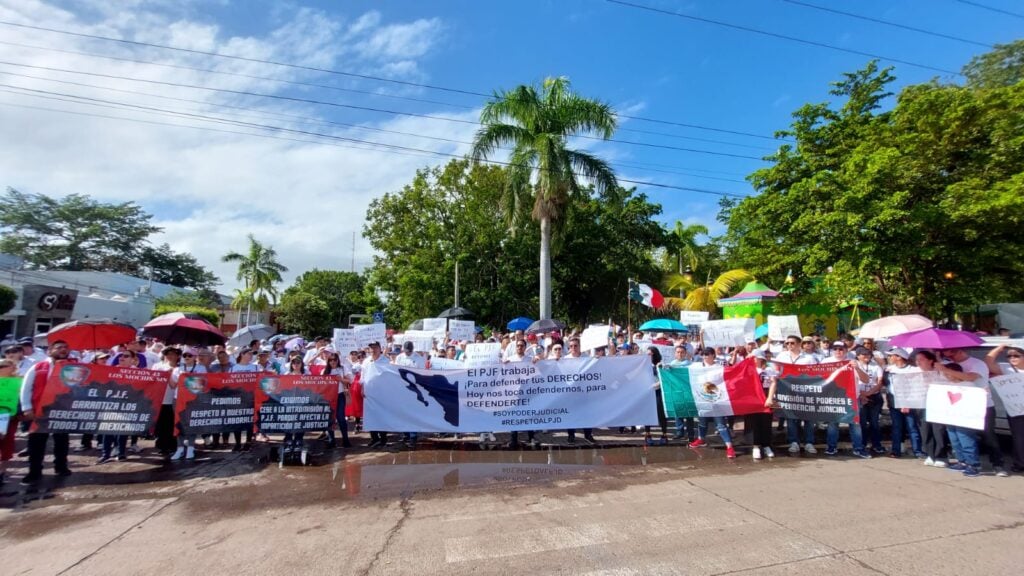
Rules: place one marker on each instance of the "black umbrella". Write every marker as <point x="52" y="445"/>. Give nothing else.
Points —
<point x="456" y="312"/>
<point x="546" y="325"/>
<point x="181" y="328"/>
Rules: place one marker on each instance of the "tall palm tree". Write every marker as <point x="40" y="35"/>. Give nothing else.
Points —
<point x="683" y="246"/>
<point x="705" y="297"/>
<point x="536" y="122"/>
<point x="259" y="270"/>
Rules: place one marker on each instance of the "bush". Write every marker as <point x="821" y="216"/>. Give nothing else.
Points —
<point x="208" y="314"/>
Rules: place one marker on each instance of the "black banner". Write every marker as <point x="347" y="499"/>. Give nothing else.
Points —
<point x="215" y="403"/>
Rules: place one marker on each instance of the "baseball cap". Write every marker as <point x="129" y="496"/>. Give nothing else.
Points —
<point x="897" y="351"/>
<point x="408" y="347"/>
<point x="759" y="354"/>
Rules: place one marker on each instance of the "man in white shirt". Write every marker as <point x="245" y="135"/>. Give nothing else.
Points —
<point x="409" y="358"/>
<point x="518" y="353"/>
<point x="904" y="420"/>
<point x="31" y="352"/>
<point x="165" y="441"/>
<point x="16" y="354"/>
<point x="367" y="373"/>
<point x="869" y="388"/>
<point x="976" y="373"/>
<point x="792" y="354"/>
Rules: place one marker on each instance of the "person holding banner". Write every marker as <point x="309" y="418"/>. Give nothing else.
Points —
<point x="903" y="419"/>
<point x="8" y="369"/>
<point x="655" y="355"/>
<point x="186" y="443"/>
<point x="377" y="439"/>
<point x="32" y="386"/>
<point x="792" y="354"/>
<point x="1015" y="365"/>
<point x="760" y="423"/>
<point x="976" y="373"/>
<point x="963" y="440"/>
<point x="124" y="359"/>
<point x="933" y="434"/>
<point x="681" y="357"/>
<point x="709" y="358"/>
<point x="870" y="386"/>
<point x="575" y="351"/>
<point x="335" y="367"/>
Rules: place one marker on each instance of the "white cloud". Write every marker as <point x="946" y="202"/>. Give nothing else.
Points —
<point x="209" y="189"/>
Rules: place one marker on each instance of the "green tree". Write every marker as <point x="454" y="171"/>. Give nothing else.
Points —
<point x="176" y="269"/>
<point x="7" y="298"/>
<point x="259" y="271"/>
<point x="904" y="197"/>
<point x="208" y="314"/>
<point x="191" y="298"/>
<point x="704" y="295"/>
<point x="1003" y="66"/>
<point x="537" y="124"/>
<point x="323" y="299"/>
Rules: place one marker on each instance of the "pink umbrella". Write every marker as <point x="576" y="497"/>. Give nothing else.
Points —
<point x="937" y="339"/>
<point x="890" y="326"/>
<point x="181" y="328"/>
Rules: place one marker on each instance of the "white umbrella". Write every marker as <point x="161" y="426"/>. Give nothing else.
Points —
<point x="884" y="328"/>
<point x="250" y="333"/>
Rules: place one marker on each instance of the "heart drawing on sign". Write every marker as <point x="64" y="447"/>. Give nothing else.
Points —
<point x="954" y="397"/>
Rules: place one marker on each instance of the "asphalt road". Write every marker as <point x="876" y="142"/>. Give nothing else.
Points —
<point x="626" y="510"/>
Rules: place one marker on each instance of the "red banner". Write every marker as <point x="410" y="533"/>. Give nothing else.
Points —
<point x="818" y="392"/>
<point x="96" y="399"/>
<point x="215" y="403"/>
<point x="296" y="403"/>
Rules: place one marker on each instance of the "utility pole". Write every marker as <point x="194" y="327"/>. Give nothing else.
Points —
<point x="456" y="282"/>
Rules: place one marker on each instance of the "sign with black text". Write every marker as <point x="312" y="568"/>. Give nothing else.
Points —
<point x="817" y="392"/>
<point x="295" y="403"/>
<point x="98" y="399"/>
<point x="215" y="403"/>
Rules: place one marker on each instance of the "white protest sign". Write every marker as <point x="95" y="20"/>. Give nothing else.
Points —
<point x="1010" y="389"/>
<point x="693" y="317"/>
<point x="781" y="327"/>
<point x="667" y="352"/>
<point x="446" y="364"/>
<point x="461" y="330"/>
<point x="725" y="333"/>
<point x="344" y="340"/>
<point x="594" y="337"/>
<point x="439" y="326"/>
<point x="368" y="333"/>
<point x="962" y="406"/>
<point x="483" y="354"/>
<point x="910" y="389"/>
<point x="422" y="340"/>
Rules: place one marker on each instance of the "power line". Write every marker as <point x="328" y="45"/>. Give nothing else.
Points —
<point x="992" y="8"/>
<point x="344" y="73"/>
<point x="388" y="147"/>
<point x="356" y="107"/>
<point x="781" y="36"/>
<point x="367" y="92"/>
<point x="311" y="120"/>
<point x="887" y="23"/>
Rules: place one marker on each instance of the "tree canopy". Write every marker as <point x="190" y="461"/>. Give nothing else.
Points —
<point x="321" y="300"/>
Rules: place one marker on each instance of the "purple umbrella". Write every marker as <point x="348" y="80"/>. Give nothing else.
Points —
<point x="937" y="339"/>
<point x="295" y="344"/>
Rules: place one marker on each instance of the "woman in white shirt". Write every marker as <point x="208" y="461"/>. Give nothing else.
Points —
<point x="243" y="363"/>
<point x="870" y="387"/>
<point x="1015" y="364"/>
<point x="186" y="443"/>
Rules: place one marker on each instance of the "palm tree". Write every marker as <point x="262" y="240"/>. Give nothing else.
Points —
<point x="705" y="297"/>
<point x="683" y="246"/>
<point x="258" y="270"/>
<point x="537" y="123"/>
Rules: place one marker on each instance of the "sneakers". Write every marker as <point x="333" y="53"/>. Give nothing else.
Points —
<point x="939" y="464"/>
<point x="957" y="467"/>
<point x="768" y="452"/>
<point x="190" y="453"/>
<point x="831" y="452"/>
<point x="134" y="449"/>
<point x="1000" y="472"/>
<point x="878" y="450"/>
<point x="971" y="472"/>
<point x="63" y="472"/>
<point x="862" y="454"/>
<point x="302" y="456"/>
<point x="757" y="453"/>
<point x="928" y="461"/>
<point x="698" y="443"/>
<point x="179" y="453"/>
<point x="730" y="452"/>
<point x="810" y="449"/>
<point x="794" y="448"/>
<point x="104" y="459"/>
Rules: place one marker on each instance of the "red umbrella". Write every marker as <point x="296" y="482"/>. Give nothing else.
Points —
<point x="181" y="328"/>
<point x="92" y="333"/>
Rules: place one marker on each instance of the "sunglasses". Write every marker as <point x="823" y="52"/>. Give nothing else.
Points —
<point x="1014" y="356"/>
<point x="187" y="355"/>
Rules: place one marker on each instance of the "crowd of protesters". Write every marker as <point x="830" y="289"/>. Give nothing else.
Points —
<point x="935" y="445"/>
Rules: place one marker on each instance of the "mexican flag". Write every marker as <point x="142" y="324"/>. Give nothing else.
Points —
<point x="699" y="390"/>
<point x="645" y="295"/>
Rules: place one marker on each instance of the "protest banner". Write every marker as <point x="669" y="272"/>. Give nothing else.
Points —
<point x="781" y="327"/>
<point x="726" y="333"/>
<point x="295" y="403"/>
<point x="461" y="330"/>
<point x="594" y="337"/>
<point x="366" y="334"/>
<point x="345" y="341"/>
<point x="436" y="326"/>
<point x="962" y="406"/>
<point x="700" y="390"/>
<point x="667" y="352"/>
<point x="483" y="354"/>
<point x="100" y="400"/>
<point x="569" y="393"/>
<point x="422" y="340"/>
<point x="446" y="364"/>
<point x="9" y="389"/>
<point x="215" y="403"/>
<point x="910" y="389"/>
<point x="1009" y="389"/>
<point x="817" y="392"/>
<point x="693" y="318"/>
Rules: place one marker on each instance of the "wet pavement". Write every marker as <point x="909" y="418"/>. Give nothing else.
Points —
<point x="451" y="508"/>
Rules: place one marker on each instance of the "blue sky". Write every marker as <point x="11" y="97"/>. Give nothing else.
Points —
<point x="645" y="64"/>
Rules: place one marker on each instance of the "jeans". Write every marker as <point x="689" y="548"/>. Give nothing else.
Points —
<point x="869" y="414"/>
<point x="720" y="425"/>
<point x="965" y="444"/>
<point x="832" y="437"/>
<point x="342" y="421"/>
<point x="686" y="423"/>
<point x="107" y="445"/>
<point x="908" y="423"/>
<point x="793" y="427"/>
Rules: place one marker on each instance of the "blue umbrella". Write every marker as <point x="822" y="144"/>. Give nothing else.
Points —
<point x="663" y="325"/>
<point x="761" y="331"/>
<point x="521" y="323"/>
